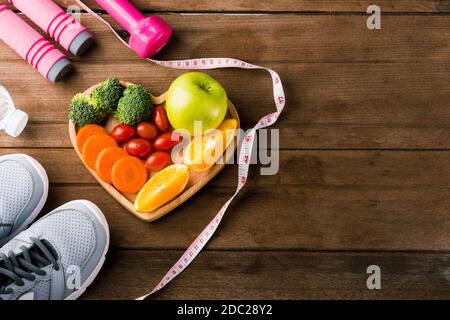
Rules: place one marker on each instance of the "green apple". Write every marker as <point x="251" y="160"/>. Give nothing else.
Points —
<point x="195" y="96"/>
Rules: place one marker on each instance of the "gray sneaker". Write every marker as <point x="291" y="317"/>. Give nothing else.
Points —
<point x="23" y="192"/>
<point x="58" y="257"/>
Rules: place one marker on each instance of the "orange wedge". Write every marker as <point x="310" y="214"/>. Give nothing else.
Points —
<point x="204" y="151"/>
<point x="162" y="187"/>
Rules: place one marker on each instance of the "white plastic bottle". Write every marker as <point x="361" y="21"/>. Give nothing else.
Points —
<point x="12" y="120"/>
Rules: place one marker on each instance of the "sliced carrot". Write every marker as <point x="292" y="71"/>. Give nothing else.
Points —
<point x="105" y="161"/>
<point x="129" y="175"/>
<point x="94" y="145"/>
<point x="87" y="132"/>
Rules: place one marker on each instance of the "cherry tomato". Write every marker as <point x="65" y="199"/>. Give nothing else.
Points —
<point x="158" y="161"/>
<point x="160" y="118"/>
<point x="165" y="143"/>
<point x="140" y="148"/>
<point x="123" y="133"/>
<point x="147" y="130"/>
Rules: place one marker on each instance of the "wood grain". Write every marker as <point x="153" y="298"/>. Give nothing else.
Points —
<point x="358" y="169"/>
<point x="379" y="92"/>
<point x="301" y="217"/>
<point x="282" y="5"/>
<point x="309" y="38"/>
<point x="196" y="181"/>
<point x="369" y="95"/>
<point x="391" y="200"/>
<point x="292" y="136"/>
<point x="274" y="275"/>
<point x="364" y="163"/>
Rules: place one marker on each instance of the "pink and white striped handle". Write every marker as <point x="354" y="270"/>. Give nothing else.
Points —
<point x="52" y="19"/>
<point x="27" y="42"/>
<point x="244" y="153"/>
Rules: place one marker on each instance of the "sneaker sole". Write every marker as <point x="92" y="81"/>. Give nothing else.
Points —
<point x="43" y="175"/>
<point x="101" y="217"/>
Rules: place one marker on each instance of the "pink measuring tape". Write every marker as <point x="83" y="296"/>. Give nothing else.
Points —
<point x="244" y="153"/>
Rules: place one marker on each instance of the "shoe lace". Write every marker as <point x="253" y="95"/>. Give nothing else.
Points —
<point x="28" y="263"/>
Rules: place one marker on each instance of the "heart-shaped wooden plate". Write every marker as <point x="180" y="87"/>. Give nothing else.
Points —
<point x="196" y="180"/>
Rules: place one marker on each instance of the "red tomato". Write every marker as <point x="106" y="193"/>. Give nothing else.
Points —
<point x="123" y="133"/>
<point x="140" y="148"/>
<point x="165" y="143"/>
<point x="160" y="118"/>
<point x="147" y="130"/>
<point x="158" y="161"/>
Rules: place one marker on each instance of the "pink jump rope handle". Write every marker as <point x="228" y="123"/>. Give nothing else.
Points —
<point x="148" y="35"/>
<point x="31" y="46"/>
<point x="57" y="23"/>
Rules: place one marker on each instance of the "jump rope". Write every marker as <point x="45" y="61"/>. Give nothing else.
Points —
<point x="51" y="63"/>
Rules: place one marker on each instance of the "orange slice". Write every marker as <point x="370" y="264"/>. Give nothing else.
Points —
<point x="204" y="151"/>
<point x="161" y="188"/>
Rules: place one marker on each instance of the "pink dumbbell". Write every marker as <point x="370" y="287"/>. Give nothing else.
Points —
<point x="148" y="35"/>
<point x="31" y="46"/>
<point x="58" y="24"/>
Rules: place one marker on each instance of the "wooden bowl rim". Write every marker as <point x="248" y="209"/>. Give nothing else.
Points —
<point x="185" y="195"/>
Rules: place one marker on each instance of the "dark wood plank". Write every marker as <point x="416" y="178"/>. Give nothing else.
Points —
<point x="346" y="106"/>
<point x="283" y="5"/>
<point x="309" y="38"/>
<point x="292" y="136"/>
<point x="376" y="169"/>
<point x="347" y="88"/>
<point x="274" y="275"/>
<point x="369" y="95"/>
<point x="300" y="217"/>
<point x="374" y="104"/>
<point x="324" y="204"/>
<point x="391" y="200"/>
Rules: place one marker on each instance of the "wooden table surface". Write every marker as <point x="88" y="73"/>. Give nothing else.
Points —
<point x="365" y="151"/>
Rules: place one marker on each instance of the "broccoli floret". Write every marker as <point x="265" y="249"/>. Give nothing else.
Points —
<point x="82" y="113"/>
<point x="106" y="96"/>
<point x="135" y="106"/>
